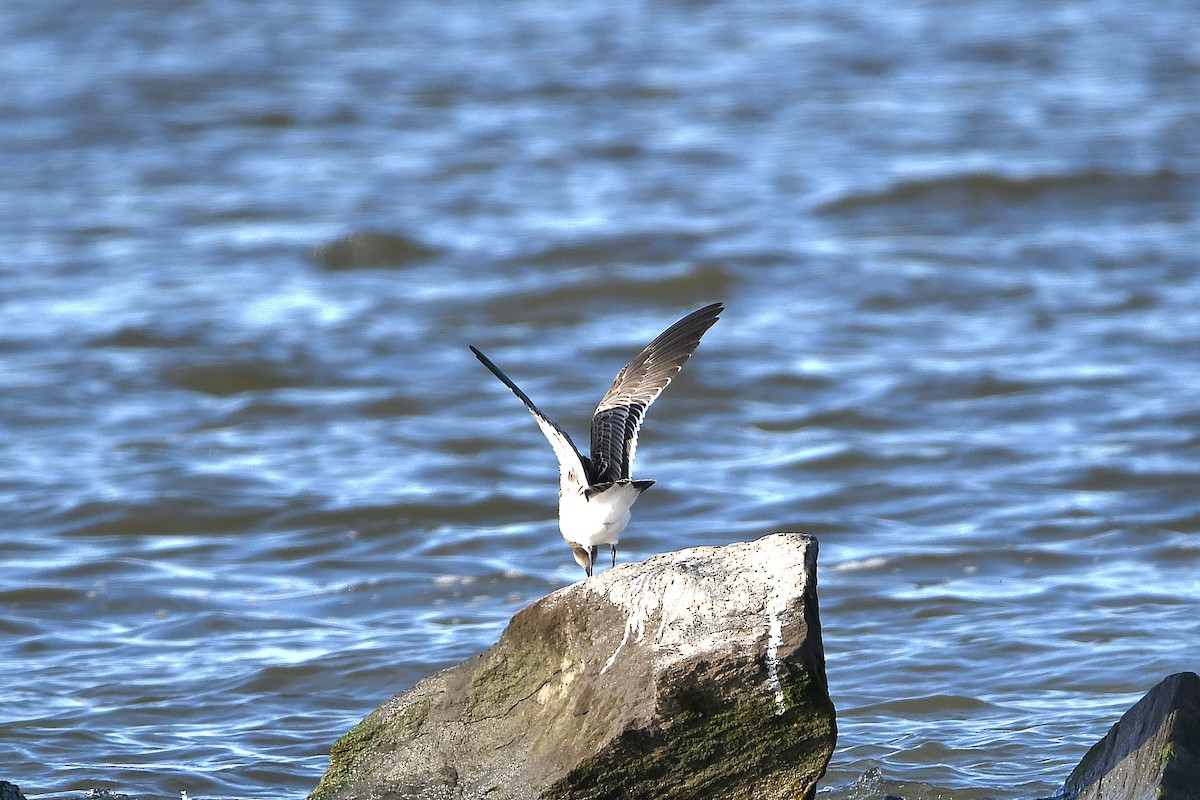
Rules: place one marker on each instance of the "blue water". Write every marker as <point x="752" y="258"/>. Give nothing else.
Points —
<point x="253" y="484"/>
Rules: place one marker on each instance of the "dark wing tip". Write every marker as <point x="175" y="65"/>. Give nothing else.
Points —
<point x="507" y="381"/>
<point x="712" y="310"/>
<point x="487" y="362"/>
<point x="559" y="439"/>
<point x="685" y="334"/>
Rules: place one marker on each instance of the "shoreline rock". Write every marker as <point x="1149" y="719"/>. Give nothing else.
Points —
<point x="698" y="673"/>
<point x="1153" y="751"/>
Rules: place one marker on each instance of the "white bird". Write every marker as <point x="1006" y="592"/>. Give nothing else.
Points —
<point x="596" y="493"/>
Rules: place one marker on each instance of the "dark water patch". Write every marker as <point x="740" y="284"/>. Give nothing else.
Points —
<point x="737" y="256"/>
<point x="567" y="295"/>
<point x="1031" y="560"/>
<point x="42" y="595"/>
<point x="957" y="202"/>
<point x="956" y="297"/>
<point x="945" y="705"/>
<point x="238" y="213"/>
<point x="771" y="380"/>
<point x="836" y="419"/>
<point x="952" y="386"/>
<point x="363" y="519"/>
<point x="170" y="515"/>
<point x="851" y="604"/>
<point x="1183" y="550"/>
<point x="1067" y="529"/>
<point x="471" y="542"/>
<point x="315" y="546"/>
<point x="878" y="494"/>
<point x="1104" y="478"/>
<point x="1186" y="418"/>
<point x="1185" y="519"/>
<point x="1089" y="547"/>
<point x="1134" y="301"/>
<point x="271" y="119"/>
<point x="250" y="410"/>
<point x="185" y="625"/>
<point x="373" y="250"/>
<point x="414" y="515"/>
<point x="19" y="630"/>
<point x="1033" y="53"/>
<point x="887" y="300"/>
<point x="616" y="150"/>
<point x="645" y="248"/>
<point x="1144" y="600"/>
<point x="393" y="406"/>
<point x="321" y="400"/>
<point x="981" y="189"/>
<point x="226" y="378"/>
<point x="311" y="675"/>
<point x="134" y="337"/>
<point x="13" y="344"/>
<point x="848" y="457"/>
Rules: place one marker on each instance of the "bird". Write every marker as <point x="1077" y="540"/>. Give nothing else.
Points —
<point x="597" y="491"/>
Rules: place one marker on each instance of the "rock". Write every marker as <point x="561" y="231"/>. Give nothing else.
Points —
<point x="369" y="249"/>
<point x="10" y="791"/>
<point x="1152" y="753"/>
<point x="698" y="673"/>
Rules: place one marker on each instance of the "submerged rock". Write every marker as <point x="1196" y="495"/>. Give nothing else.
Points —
<point x="1152" y="753"/>
<point x="698" y="673"/>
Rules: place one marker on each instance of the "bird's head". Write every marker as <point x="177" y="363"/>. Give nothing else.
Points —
<point x="583" y="557"/>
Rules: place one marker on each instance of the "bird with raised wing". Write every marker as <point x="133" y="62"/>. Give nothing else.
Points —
<point x="596" y="492"/>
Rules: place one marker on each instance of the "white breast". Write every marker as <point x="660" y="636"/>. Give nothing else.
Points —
<point x="599" y="520"/>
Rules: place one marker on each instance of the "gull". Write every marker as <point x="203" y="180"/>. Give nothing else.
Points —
<point x="596" y="493"/>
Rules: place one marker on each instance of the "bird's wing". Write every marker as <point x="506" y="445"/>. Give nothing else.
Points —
<point x="570" y="463"/>
<point x="619" y="416"/>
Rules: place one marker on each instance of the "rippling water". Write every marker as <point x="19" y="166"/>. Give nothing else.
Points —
<point x="254" y="483"/>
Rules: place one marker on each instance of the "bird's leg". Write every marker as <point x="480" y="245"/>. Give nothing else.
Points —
<point x="592" y="552"/>
<point x="614" y="549"/>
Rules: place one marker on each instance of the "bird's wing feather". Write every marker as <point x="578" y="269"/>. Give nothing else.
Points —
<point x="619" y="416"/>
<point x="570" y="463"/>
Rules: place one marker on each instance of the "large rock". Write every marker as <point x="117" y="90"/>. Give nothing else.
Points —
<point x="1152" y="753"/>
<point x="10" y="791"/>
<point x="694" y="674"/>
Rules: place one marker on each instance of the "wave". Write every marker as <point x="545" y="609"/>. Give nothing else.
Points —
<point x="1065" y="194"/>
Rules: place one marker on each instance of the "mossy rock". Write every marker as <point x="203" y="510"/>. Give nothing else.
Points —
<point x="698" y="673"/>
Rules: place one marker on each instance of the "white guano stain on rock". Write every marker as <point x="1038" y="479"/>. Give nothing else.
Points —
<point x="775" y="609"/>
<point x="682" y="605"/>
<point x="644" y="596"/>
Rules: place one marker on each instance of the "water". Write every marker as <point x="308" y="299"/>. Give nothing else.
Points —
<point x="247" y="498"/>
